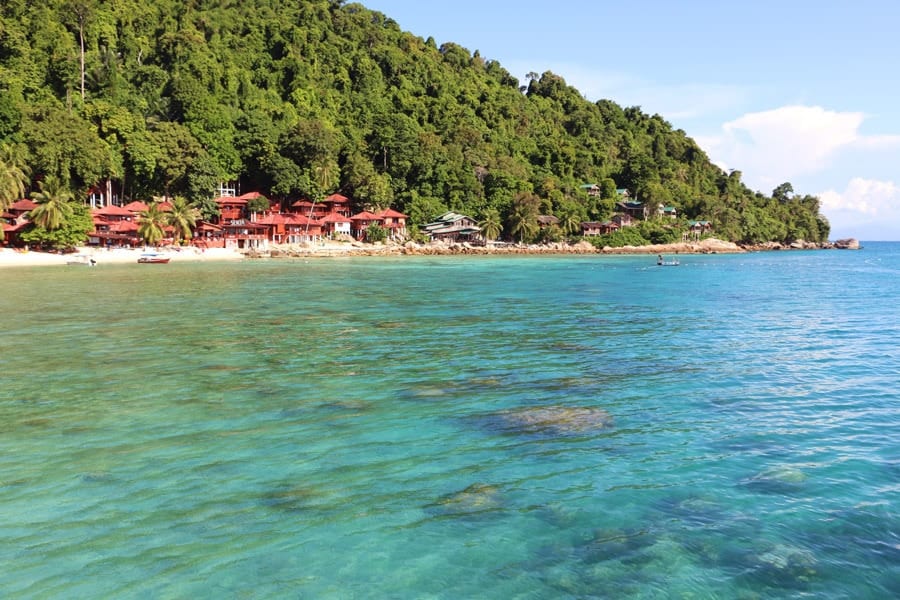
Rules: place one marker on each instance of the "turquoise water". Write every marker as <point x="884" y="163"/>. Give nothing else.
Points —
<point x="446" y="427"/>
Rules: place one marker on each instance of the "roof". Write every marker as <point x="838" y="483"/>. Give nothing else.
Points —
<point x="390" y="212"/>
<point x="547" y="220"/>
<point x="230" y="200"/>
<point x="455" y="229"/>
<point x="334" y="218"/>
<point x="337" y="198"/>
<point x="446" y="219"/>
<point x="23" y="204"/>
<point x="113" y="210"/>
<point x="364" y="216"/>
<point x="250" y="196"/>
<point x="136" y="206"/>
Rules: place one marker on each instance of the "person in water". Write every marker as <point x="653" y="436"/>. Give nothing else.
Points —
<point x="659" y="259"/>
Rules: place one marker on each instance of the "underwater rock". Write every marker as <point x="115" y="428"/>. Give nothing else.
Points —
<point x="555" y="420"/>
<point x="785" y="566"/>
<point x="476" y="498"/>
<point x="778" y="480"/>
<point x="615" y="544"/>
<point x="289" y="499"/>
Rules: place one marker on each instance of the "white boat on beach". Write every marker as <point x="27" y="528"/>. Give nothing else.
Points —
<point x="83" y="260"/>
<point x="153" y="258"/>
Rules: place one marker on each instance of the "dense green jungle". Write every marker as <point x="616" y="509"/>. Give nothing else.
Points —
<point x="300" y="99"/>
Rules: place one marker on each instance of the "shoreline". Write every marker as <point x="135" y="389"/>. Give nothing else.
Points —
<point x="17" y="258"/>
<point x="31" y="258"/>
<point x="348" y="249"/>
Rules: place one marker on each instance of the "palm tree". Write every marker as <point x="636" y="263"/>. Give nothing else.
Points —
<point x="570" y="220"/>
<point x="490" y="224"/>
<point x="54" y="206"/>
<point x="13" y="177"/>
<point x="151" y="223"/>
<point x="183" y="217"/>
<point x="523" y="217"/>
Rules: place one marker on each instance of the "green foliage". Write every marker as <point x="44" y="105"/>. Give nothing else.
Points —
<point x="258" y="204"/>
<point x="54" y="204"/>
<point x="182" y="218"/>
<point x="626" y="236"/>
<point x="151" y="224"/>
<point x="375" y="233"/>
<point x="73" y="232"/>
<point x="306" y="97"/>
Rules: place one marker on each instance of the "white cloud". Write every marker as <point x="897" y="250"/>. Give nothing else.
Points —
<point x="866" y="209"/>
<point x="774" y="146"/>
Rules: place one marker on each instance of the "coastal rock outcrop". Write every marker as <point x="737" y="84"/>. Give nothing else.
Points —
<point x="847" y="244"/>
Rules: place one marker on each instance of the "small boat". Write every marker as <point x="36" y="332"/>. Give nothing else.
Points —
<point x="661" y="262"/>
<point x="152" y="258"/>
<point x="83" y="260"/>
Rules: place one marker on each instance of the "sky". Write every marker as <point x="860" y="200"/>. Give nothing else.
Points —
<point x="798" y="91"/>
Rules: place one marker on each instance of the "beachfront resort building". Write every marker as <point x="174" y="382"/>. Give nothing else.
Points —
<point x="452" y="227"/>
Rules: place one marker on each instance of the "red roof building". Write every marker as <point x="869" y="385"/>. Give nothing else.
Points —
<point x="335" y="224"/>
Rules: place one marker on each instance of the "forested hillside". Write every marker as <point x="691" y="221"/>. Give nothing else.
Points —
<point x="308" y="97"/>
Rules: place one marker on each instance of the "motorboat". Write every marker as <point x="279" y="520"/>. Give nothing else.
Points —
<point x="83" y="260"/>
<point x="153" y="258"/>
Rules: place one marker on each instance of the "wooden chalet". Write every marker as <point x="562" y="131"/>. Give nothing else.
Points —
<point x="238" y="231"/>
<point x="310" y="209"/>
<point x="696" y="229"/>
<point x="231" y="208"/>
<point x="591" y="189"/>
<point x="335" y="224"/>
<point x="545" y="221"/>
<point x="21" y="208"/>
<point x="595" y="228"/>
<point x="452" y="226"/>
<point x="623" y="220"/>
<point x="394" y="222"/>
<point x="360" y="222"/>
<point x="337" y="203"/>
<point x="667" y="211"/>
<point x="633" y="209"/>
<point x="290" y="228"/>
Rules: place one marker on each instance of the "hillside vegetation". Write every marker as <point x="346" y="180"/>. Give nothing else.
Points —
<point x="304" y="98"/>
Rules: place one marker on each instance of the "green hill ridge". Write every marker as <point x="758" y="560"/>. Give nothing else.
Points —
<point x="305" y="98"/>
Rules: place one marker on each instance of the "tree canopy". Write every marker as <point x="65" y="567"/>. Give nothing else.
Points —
<point x="302" y="98"/>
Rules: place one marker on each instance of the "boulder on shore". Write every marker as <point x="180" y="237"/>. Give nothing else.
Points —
<point x="847" y="244"/>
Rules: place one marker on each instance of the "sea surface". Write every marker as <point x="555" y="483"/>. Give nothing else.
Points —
<point x="454" y="427"/>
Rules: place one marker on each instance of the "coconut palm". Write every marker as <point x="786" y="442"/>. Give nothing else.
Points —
<point x="570" y="220"/>
<point x="151" y="223"/>
<point x="182" y="217"/>
<point x="523" y="216"/>
<point x="13" y="177"/>
<point x="54" y="204"/>
<point x="490" y="224"/>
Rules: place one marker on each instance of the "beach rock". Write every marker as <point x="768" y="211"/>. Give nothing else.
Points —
<point x="555" y="420"/>
<point x="847" y="244"/>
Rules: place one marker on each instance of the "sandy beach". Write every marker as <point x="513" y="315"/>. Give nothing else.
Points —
<point x="18" y="258"/>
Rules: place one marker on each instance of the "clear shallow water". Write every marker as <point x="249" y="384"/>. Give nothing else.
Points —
<point x="454" y="428"/>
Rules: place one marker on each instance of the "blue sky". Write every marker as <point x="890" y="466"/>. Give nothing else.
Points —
<point x="790" y="90"/>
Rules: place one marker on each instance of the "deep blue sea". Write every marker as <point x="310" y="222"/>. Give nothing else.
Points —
<point x="454" y="427"/>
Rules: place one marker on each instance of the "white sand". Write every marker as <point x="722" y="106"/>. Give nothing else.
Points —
<point x="16" y="258"/>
